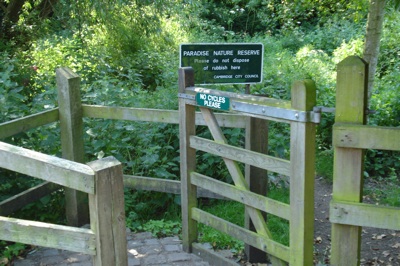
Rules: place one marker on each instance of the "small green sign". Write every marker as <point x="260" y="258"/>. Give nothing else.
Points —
<point x="226" y="63"/>
<point x="213" y="101"/>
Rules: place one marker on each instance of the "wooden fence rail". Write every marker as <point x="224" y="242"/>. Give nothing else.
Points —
<point x="102" y="179"/>
<point x="26" y="123"/>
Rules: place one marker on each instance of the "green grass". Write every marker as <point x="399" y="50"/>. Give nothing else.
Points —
<point x="387" y="194"/>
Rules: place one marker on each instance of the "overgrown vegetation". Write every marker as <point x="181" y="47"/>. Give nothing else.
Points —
<point x="127" y="55"/>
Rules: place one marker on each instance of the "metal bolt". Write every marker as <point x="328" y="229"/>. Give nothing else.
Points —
<point x="296" y="115"/>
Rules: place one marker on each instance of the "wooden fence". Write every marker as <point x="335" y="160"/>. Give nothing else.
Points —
<point x="102" y="180"/>
<point x="70" y="114"/>
<point x="299" y="114"/>
<point x="347" y="214"/>
<point x="98" y="186"/>
<point x="350" y="138"/>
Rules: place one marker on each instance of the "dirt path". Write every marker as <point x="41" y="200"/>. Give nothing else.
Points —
<point x="379" y="247"/>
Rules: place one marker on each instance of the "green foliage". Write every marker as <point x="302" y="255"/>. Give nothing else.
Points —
<point x="227" y="210"/>
<point x="324" y="163"/>
<point x="386" y="191"/>
<point x="161" y="228"/>
<point x="243" y="18"/>
<point x="10" y="250"/>
<point x="126" y="54"/>
<point x="234" y="213"/>
<point x="12" y="95"/>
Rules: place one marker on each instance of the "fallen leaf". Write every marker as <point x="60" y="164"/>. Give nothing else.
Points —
<point x="378" y="237"/>
<point x="386" y="253"/>
<point x="318" y="240"/>
<point x="397" y="245"/>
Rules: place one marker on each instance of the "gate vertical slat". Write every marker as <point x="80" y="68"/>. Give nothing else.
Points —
<point x="257" y="178"/>
<point x="71" y="125"/>
<point x="302" y="158"/>
<point x="351" y="100"/>
<point x="187" y="128"/>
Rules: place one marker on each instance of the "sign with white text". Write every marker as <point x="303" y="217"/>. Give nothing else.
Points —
<point x="236" y="63"/>
<point x="213" y="101"/>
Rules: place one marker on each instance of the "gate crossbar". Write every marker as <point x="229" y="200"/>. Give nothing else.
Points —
<point x="244" y="196"/>
<point x="257" y="106"/>
<point x="274" y="164"/>
<point x="259" y="241"/>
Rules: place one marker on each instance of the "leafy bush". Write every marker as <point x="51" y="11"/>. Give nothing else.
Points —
<point x="12" y="96"/>
<point x="126" y="55"/>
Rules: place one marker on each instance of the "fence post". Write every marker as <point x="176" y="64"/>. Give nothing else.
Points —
<point x="351" y="102"/>
<point x="302" y="175"/>
<point x="257" y="178"/>
<point x="107" y="213"/>
<point x="71" y="124"/>
<point x="188" y="160"/>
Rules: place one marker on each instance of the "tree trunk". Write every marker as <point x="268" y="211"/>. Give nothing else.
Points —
<point x="13" y="10"/>
<point x="372" y="39"/>
<point x="46" y="8"/>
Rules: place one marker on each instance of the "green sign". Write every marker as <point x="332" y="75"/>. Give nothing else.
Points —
<point x="213" y="101"/>
<point x="236" y="63"/>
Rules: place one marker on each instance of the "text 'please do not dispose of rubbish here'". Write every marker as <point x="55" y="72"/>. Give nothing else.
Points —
<point x="223" y="63"/>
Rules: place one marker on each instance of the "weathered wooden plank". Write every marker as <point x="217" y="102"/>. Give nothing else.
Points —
<point x="366" y="137"/>
<point x="26" y="123"/>
<point x="187" y="128"/>
<point x="351" y="102"/>
<point x="50" y="168"/>
<point x="362" y="214"/>
<point x="212" y="257"/>
<point x="152" y="184"/>
<point x="243" y="196"/>
<point x="22" y="199"/>
<point x="48" y="235"/>
<point x="107" y="213"/>
<point x="262" y="161"/>
<point x="302" y="159"/>
<point x="163" y="185"/>
<point x="259" y="241"/>
<point x="156" y="115"/>
<point x="256" y="140"/>
<point x="71" y="127"/>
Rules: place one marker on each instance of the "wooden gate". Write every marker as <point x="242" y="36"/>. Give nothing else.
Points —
<point x="300" y="213"/>
<point x="350" y="137"/>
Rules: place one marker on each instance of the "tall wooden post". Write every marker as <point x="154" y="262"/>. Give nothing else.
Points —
<point x="188" y="160"/>
<point x="302" y="175"/>
<point x="71" y="124"/>
<point x="107" y="213"/>
<point x="257" y="178"/>
<point x="351" y="102"/>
